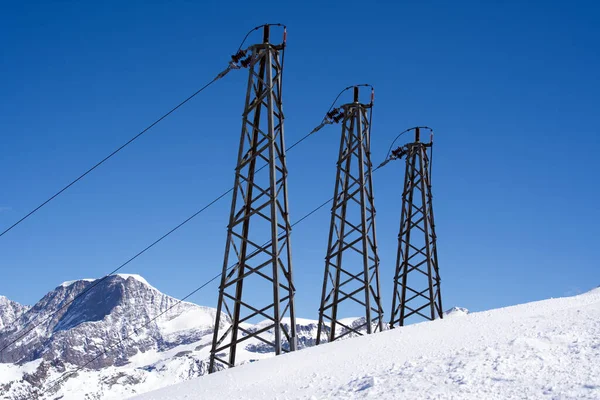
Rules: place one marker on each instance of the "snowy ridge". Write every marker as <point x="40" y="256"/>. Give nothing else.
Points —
<point x="138" y="278"/>
<point x="124" y="276"/>
<point x="546" y="349"/>
<point x="69" y="283"/>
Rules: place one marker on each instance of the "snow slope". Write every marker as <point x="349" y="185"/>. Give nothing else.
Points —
<point x="543" y="350"/>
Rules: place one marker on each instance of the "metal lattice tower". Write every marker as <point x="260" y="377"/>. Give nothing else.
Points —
<point x="352" y="264"/>
<point x="417" y="279"/>
<point x="259" y="283"/>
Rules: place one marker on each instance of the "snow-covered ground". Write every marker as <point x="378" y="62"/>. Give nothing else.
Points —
<point x="543" y="350"/>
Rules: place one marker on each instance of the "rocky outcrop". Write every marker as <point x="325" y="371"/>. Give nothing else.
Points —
<point x="10" y="311"/>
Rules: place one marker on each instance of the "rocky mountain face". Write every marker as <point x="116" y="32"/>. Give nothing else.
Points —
<point x="10" y="311"/>
<point x="101" y="318"/>
<point x="104" y="319"/>
<point x="106" y="337"/>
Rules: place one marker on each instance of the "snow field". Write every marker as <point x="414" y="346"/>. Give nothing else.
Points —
<point x="543" y="350"/>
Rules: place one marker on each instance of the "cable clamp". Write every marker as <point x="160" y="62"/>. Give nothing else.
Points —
<point x="321" y="125"/>
<point x="232" y="65"/>
<point x="225" y="72"/>
<point x="384" y="163"/>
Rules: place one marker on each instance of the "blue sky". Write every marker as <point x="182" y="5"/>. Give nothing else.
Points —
<point x="511" y="90"/>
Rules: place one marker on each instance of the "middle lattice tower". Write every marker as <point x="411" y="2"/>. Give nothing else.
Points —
<point x="351" y="278"/>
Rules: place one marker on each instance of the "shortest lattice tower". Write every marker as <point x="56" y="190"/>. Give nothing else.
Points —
<point x="417" y="279"/>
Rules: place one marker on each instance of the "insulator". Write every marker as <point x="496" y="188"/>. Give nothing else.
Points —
<point x="398" y="153"/>
<point x="332" y="113"/>
<point x="238" y="56"/>
<point x="246" y="62"/>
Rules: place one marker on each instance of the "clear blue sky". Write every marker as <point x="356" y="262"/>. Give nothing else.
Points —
<point x="511" y="89"/>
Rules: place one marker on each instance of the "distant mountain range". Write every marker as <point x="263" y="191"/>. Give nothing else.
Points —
<point x="171" y="349"/>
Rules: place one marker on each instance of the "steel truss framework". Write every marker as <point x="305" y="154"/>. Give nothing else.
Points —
<point x="258" y="236"/>
<point x="417" y="279"/>
<point x="352" y="263"/>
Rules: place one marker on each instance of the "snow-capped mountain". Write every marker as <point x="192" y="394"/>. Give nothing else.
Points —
<point x="104" y="330"/>
<point x="107" y="312"/>
<point x="9" y="311"/>
<point x="97" y="322"/>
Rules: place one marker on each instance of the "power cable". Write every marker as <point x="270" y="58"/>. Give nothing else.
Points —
<point x="231" y="66"/>
<point x="196" y="290"/>
<point x="113" y="153"/>
<point x="98" y="281"/>
<point x="257" y="28"/>
<point x="193" y="292"/>
<point x="348" y="88"/>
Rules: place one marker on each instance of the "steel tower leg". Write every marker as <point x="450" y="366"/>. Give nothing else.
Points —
<point x="352" y="264"/>
<point x="417" y="279"/>
<point x="258" y="235"/>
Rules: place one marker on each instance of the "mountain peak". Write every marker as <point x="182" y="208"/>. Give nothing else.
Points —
<point x="69" y="283"/>
<point x="87" y="315"/>
<point x="9" y="311"/>
<point x="6" y="300"/>
<point x="136" y="277"/>
<point x="454" y="311"/>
